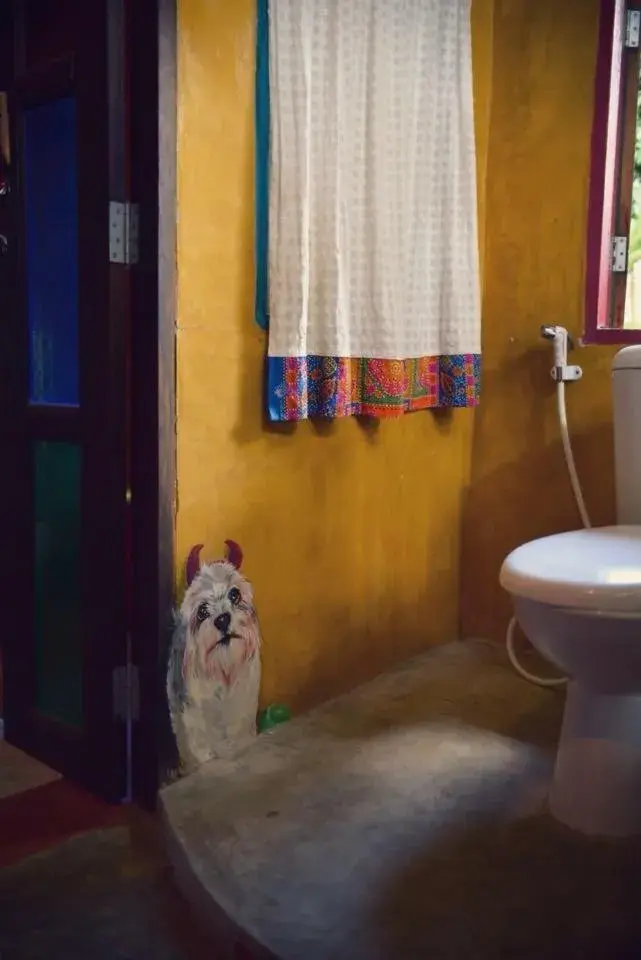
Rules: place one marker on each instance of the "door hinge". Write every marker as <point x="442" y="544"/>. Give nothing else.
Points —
<point x="126" y="693"/>
<point x="619" y="254"/>
<point x="632" y="29"/>
<point x="123" y="232"/>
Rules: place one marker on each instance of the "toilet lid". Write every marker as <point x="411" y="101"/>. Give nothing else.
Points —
<point x="598" y="569"/>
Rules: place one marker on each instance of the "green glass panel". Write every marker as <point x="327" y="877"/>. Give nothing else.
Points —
<point x="57" y="609"/>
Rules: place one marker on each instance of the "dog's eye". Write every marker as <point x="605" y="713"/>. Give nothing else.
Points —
<point x="234" y="596"/>
<point x="202" y="613"/>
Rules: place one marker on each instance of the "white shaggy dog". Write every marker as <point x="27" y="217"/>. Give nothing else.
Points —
<point x="213" y="674"/>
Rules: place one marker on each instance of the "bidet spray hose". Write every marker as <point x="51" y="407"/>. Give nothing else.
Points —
<point x="569" y="455"/>
<point x="585" y="520"/>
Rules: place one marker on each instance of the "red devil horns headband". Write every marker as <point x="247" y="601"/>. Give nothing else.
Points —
<point x="192" y="567"/>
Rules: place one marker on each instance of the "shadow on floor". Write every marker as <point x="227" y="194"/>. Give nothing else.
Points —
<point x="471" y="682"/>
<point x="527" y="889"/>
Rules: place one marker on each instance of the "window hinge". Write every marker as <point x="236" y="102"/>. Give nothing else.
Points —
<point x="619" y="254"/>
<point x="632" y="29"/>
<point x="123" y="232"/>
<point x="126" y="694"/>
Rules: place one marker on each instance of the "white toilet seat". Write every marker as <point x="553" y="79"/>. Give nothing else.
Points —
<point x="591" y="570"/>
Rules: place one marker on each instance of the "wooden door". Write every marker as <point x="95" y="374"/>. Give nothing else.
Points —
<point x="64" y="346"/>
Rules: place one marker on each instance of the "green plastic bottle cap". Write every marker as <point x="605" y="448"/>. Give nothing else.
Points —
<point x="274" y="714"/>
<point x="278" y="712"/>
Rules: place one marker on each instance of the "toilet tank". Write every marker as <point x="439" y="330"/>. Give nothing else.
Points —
<point x="626" y="398"/>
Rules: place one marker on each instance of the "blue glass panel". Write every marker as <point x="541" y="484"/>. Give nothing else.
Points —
<point x="51" y="221"/>
<point x="58" y="586"/>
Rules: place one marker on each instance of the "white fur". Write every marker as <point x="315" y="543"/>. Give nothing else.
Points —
<point x="213" y="687"/>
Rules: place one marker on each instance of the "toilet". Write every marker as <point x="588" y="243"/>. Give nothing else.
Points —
<point x="577" y="598"/>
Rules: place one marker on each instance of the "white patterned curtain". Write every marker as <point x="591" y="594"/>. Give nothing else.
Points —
<point x="374" y="301"/>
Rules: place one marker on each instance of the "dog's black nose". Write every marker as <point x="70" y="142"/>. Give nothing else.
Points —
<point x="222" y="622"/>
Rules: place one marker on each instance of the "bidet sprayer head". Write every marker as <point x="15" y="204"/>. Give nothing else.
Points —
<point x="552" y="332"/>
<point x="561" y="343"/>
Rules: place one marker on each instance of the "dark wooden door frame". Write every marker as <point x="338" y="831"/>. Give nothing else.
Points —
<point x="94" y="753"/>
<point x="152" y="35"/>
<point x="153" y="378"/>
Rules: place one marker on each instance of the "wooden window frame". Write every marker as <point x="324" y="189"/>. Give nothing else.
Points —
<point x="611" y="174"/>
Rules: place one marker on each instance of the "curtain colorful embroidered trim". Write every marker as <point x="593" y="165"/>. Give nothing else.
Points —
<point x="303" y="387"/>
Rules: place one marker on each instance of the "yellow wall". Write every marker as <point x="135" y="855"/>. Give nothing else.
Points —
<point x="352" y="535"/>
<point x="536" y="205"/>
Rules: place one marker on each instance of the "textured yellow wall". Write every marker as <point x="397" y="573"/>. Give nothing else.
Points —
<point x="351" y="534"/>
<point x="536" y="204"/>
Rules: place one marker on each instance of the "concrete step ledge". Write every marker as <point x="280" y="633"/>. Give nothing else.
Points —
<point x="293" y="849"/>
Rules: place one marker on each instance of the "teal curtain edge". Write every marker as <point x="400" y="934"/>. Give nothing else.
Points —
<point x="262" y="165"/>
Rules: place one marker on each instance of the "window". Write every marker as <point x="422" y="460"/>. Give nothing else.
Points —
<point x="613" y="270"/>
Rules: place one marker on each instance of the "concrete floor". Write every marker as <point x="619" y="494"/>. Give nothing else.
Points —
<point x="107" y="893"/>
<point x="82" y="879"/>
<point x="404" y="820"/>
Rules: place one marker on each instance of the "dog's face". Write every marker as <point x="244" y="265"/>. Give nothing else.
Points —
<point x="222" y="627"/>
